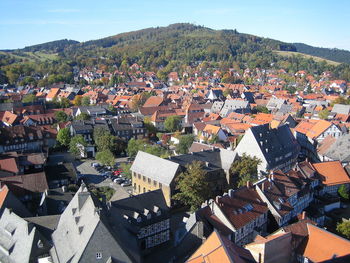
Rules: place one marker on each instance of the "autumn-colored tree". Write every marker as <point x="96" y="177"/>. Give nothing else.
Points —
<point x="192" y="186"/>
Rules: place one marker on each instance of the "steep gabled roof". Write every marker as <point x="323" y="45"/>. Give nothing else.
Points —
<point x="155" y="168"/>
<point x="322" y="245"/>
<point x="218" y="248"/>
<point x="332" y="173"/>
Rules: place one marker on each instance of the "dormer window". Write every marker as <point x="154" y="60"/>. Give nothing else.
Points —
<point x="159" y="212"/>
<point x="149" y="216"/>
<point x="139" y="219"/>
<point x="98" y="255"/>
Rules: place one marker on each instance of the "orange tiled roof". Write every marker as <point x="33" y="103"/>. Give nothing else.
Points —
<point x="212" y="129"/>
<point x="9" y="117"/>
<point x="3" y="193"/>
<point x="153" y="101"/>
<point x="9" y="165"/>
<point x="53" y="92"/>
<point x="217" y="248"/>
<point x="317" y="129"/>
<point x="332" y="173"/>
<point x="323" y="245"/>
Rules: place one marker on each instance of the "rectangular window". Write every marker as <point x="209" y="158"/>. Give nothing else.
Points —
<point x="144" y="178"/>
<point x="149" y="181"/>
<point x="154" y="183"/>
<point x="160" y="185"/>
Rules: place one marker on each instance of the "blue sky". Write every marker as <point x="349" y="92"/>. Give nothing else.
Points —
<point x="320" y="23"/>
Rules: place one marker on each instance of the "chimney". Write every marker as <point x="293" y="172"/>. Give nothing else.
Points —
<point x="303" y="215"/>
<point x="263" y="187"/>
<point x="207" y="164"/>
<point x="217" y="199"/>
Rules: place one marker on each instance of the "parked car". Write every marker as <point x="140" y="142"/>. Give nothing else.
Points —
<point x="117" y="172"/>
<point x="126" y="183"/>
<point x="95" y="165"/>
<point x="119" y="180"/>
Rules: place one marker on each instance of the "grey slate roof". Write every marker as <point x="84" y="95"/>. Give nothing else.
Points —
<point x="275" y="103"/>
<point x="340" y="150"/>
<point x="154" y="167"/>
<point x="241" y="106"/>
<point x="82" y="232"/>
<point x="19" y="240"/>
<point x="217" y="158"/>
<point x="341" y="109"/>
<point x="276" y="143"/>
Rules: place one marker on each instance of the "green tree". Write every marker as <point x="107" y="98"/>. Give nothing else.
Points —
<point x="149" y="126"/>
<point x="83" y="117"/>
<point x="64" y="102"/>
<point x="343" y="192"/>
<point x="184" y="144"/>
<point x="105" y="157"/>
<point x="125" y="167"/>
<point x="323" y="114"/>
<point x="77" y="145"/>
<point x="85" y="101"/>
<point x="244" y="169"/>
<point x="226" y="92"/>
<point x="192" y="186"/>
<point x="63" y="137"/>
<point x="343" y="228"/>
<point x="78" y="100"/>
<point x="61" y="116"/>
<point x="172" y="123"/>
<point x="134" y="146"/>
<point x="262" y="109"/>
<point x="29" y="98"/>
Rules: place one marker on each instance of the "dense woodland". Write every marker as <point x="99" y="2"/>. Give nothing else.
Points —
<point x="163" y="50"/>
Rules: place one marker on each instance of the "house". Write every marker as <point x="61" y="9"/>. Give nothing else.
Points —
<point x="26" y="186"/>
<point x="84" y="234"/>
<point x="341" y="109"/>
<point x="20" y="241"/>
<point x="317" y="130"/>
<point x="147" y="218"/>
<point x="10" y="201"/>
<point x="128" y="127"/>
<point x="323" y="246"/>
<point x="217" y="248"/>
<point x="332" y="175"/>
<point x="92" y="111"/>
<point x="276" y="148"/>
<point x="273" y="248"/>
<point x="242" y="212"/>
<point x="153" y="101"/>
<point x="275" y="104"/>
<point x="21" y="138"/>
<point x="53" y="93"/>
<point x="150" y="172"/>
<point x="335" y="149"/>
<point x="310" y="243"/>
<point x="10" y="119"/>
<point x="211" y="131"/>
<point x="239" y="106"/>
<point x="216" y="107"/>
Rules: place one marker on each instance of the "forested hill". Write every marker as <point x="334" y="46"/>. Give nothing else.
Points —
<point x="49" y="47"/>
<point x="182" y="42"/>
<point x="338" y="55"/>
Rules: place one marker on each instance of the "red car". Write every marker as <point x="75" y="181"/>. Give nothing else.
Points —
<point x="117" y="172"/>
